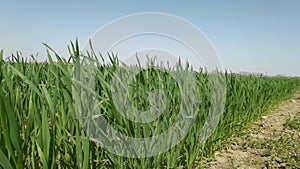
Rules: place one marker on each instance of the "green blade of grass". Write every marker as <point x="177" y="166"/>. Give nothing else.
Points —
<point x="4" y="162"/>
<point x="42" y="157"/>
<point x="14" y="131"/>
<point x="31" y="85"/>
<point x="45" y="134"/>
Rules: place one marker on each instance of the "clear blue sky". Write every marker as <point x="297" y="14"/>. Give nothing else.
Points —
<point x="250" y="35"/>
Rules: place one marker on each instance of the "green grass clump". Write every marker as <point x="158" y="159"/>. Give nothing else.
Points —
<point x="40" y="129"/>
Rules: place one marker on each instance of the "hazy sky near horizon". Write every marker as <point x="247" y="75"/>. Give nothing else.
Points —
<point x="255" y="36"/>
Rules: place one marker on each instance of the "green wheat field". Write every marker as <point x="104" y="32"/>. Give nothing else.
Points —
<point x="40" y="129"/>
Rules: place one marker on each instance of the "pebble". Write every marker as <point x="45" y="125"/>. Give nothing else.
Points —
<point x="264" y="117"/>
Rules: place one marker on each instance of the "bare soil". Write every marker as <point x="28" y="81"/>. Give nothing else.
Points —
<point x="267" y="144"/>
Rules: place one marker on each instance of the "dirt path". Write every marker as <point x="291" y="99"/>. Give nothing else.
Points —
<point x="269" y="143"/>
